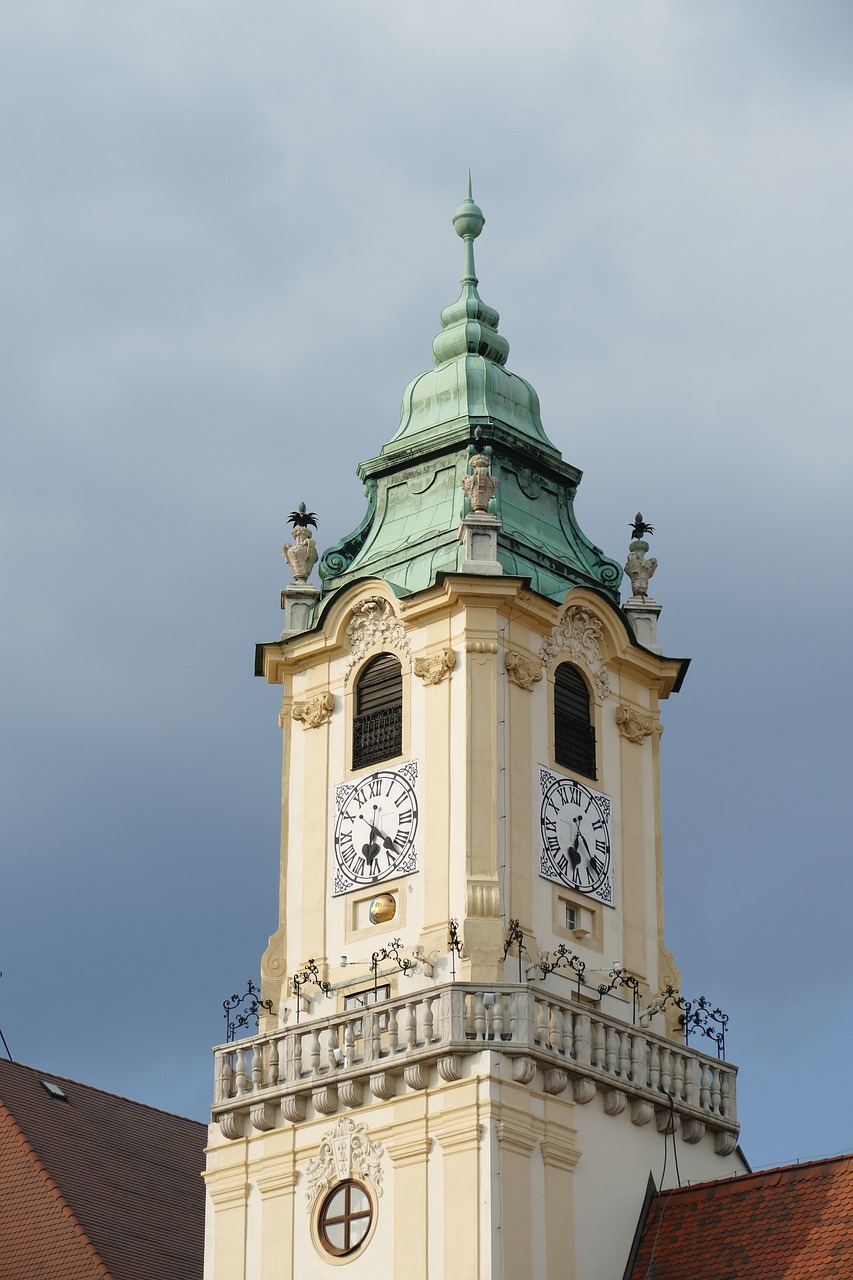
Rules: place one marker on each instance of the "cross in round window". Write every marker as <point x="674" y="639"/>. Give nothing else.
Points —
<point x="345" y="1218"/>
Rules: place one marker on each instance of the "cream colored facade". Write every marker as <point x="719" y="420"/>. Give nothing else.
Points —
<point x="503" y="1122"/>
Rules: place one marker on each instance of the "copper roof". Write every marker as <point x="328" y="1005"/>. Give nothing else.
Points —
<point x="96" y="1185"/>
<point x="795" y="1221"/>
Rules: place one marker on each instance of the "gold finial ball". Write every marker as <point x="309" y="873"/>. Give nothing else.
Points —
<point x="382" y="909"/>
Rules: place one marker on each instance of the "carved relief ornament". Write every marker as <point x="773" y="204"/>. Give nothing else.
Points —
<point x="521" y="670"/>
<point x="635" y="726"/>
<point x="433" y="669"/>
<point x="374" y="623"/>
<point x="314" y="711"/>
<point x="578" y="637"/>
<point x="344" y="1151"/>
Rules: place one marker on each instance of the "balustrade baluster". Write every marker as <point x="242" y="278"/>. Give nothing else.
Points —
<point x="257" y="1067"/>
<point x="716" y="1091"/>
<point x="478" y="1021"/>
<point x="240" y="1073"/>
<point x="705" y="1088"/>
<point x="678" y="1076"/>
<point x="541" y="1023"/>
<point x="727" y="1105"/>
<point x="429" y="1020"/>
<point x="611" y="1051"/>
<point x="332" y="1045"/>
<point x="314" y="1051"/>
<point x="568" y="1047"/>
<point x="624" y="1054"/>
<point x="411" y="1025"/>
<point x="272" y="1064"/>
<point x="639" y="1045"/>
<point x="498" y="1017"/>
<point x="598" y="1042"/>
<point x="393" y="1031"/>
<point x="349" y="1042"/>
<point x="555" y="1028"/>
<point x="691" y="1069"/>
<point x="666" y="1070"/>
<point x="583" y="1039"/>
<point x="654" y="1066"/>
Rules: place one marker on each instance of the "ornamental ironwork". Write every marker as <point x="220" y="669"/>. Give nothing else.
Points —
<point x="391" y="952"/>
<point x="252" y="1010"/>
<point x="454" y="946"/>
<point x="619" y="978"/>
<point x="695" y="1016"/>
<point x="563" y="958"/>
<point x="309" y="974"/>
<point x="515" y="937"/>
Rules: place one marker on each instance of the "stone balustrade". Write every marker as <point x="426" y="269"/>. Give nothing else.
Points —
<point x="326" y="1064"/>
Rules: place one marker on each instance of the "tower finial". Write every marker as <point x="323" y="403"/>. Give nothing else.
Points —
<point x="469" y="222"/>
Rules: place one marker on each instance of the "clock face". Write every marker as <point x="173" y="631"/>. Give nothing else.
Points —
<point x="376" y="825"/>
<point x="574" y="824"/>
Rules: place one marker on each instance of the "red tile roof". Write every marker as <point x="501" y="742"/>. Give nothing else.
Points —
<point x="795" y="1222"/>
<point x="96" y="1186"/>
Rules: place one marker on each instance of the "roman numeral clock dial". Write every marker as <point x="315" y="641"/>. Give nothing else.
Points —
<point x="376" y="825"/>
<point x="574" y="823"/>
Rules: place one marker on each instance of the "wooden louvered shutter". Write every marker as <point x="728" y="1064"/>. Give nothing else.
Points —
<point x="378" y="725"/>
<point x="574" y="735"/>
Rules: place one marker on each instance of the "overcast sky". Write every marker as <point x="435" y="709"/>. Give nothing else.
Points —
<point x="226" y="240"/>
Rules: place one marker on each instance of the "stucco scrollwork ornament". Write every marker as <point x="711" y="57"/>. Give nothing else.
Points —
<point x="301" y="554"/>
<point x="344" y="1151"/>
<point x="374" y="623"/>
<point x="313" y="712"/>
<point x="521" y="670"/>
<point x="480" y="485"/>
<point x="432" y="670"/>
<point x="579" y="637"/>
<point x="635" y="726"/>
<point x="637" y="567"/>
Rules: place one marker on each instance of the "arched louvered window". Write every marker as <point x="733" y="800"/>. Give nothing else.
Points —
<point x="574" y="735"/>
<point x="377" y="731"/>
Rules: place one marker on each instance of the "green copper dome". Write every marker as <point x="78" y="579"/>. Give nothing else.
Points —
<point x="415" y="500"/>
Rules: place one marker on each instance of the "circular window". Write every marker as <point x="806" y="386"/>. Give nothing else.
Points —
<point x="345" y="1218"/>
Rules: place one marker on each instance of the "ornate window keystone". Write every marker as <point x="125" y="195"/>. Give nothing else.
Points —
<point x="345" y="1151"/>
<point x="579" y="636"/>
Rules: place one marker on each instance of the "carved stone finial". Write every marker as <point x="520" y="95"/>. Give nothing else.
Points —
<point x="637" y="567"/>
<point x="480" y="485"/>
<point x="301" y="554"/>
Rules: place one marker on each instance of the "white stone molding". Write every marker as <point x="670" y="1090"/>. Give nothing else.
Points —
<point x="383" y="1084"/>
<point x="579" y="636"/>
<point x="314" y="711"/>
<point x="298" y="603"/>
<point x="325" y="1099"/>
<point x="725" y="1143"/>
<point x="374" y="624"/>
<point x="523" y="671"/>
<point x="436" y="667"/>
<point x="523" y="1070"/>
<point x="344" y="1150"/>
<point x="293" y="1106"/>
<point x="583" y="1089"/>
<point x="614" y="1102"/>
<point x="666" y="1121"/>
<point x="351" y="1092"/>
<point x="692" y="1130"/>
<point x="479" y="536"/>
<point x="481" y="646"/>
<point x="450" y="1068"/>
<point x="642" y="1112"/>
<point x="263" y="1116"/>
<point x="635" y="726"/>
<point x="231" y="1124"/>
<point x="417" y="1075"/>
<point x="482" y="899"/>
<point x="555" y="1080"/>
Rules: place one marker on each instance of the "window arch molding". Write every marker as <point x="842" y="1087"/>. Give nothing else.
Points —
<point x="574" y="707"/>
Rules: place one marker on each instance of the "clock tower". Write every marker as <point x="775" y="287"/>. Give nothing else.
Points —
<point x="473" y="1048"/>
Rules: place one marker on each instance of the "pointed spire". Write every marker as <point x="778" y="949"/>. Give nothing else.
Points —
<point x="469" y="326"/>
